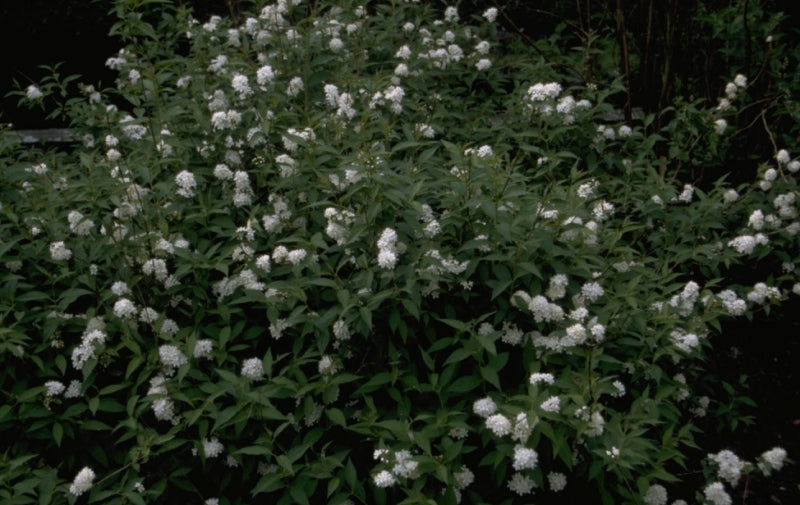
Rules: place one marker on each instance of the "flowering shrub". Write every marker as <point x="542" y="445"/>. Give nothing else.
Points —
<point x="349" y="254"/>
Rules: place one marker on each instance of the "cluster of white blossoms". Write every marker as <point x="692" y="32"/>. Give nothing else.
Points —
<point x="253" y="369"/>
<point x="772" y="460"/>
<point x="761" y="293"/>
<point x="656" y="495"/>
<point x="59" y="251"/>
<point x="387" y="249"/>
<point x="729" y="466"/>
<point x="293" y="137"/>
<point x="172" y="358"/>
<point x="83" y="482"/>
<point x="392" y="96"/>
<point x="186" y="184"/>
<point x="716" y="494"/>
<point x="53" y="388"/>
<point x="745" y="244"/>
<point x="543" y="99"/>
<point x="402" y="466"/>
<point x="339" y="222"/>
<point x="93" y="336"/>
<point x="342" y="102"/>
<point x="79" y="224"/>
<point x="163" y="406"/>
<point x="226" y="120"/>
<point x="281" y="214"/>
<point x="212" y="447"/>
<point x="203" y="348"/>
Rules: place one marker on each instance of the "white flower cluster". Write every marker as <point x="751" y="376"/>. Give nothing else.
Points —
<point x="655" y="495"/>
<point x="83" y="482"/>
<point x="172" y="358"/>
<point x="540" y="307"/>
<point x="684" y="301"/>
<point x="521" y="484"/>
<point x="761" y="293"/>
<point x="594" y="419"/>
<point x="716" y="494"/>
<point x="59" y="252"/>
<point x="339" y="222"/>
<point x="93" y="336"/>
<point x="293" y="138"/>
<point x="246" y="279"/>
<point x="403" y="466"/>
<point x="729" y="466"/>
<point x="186" y="184"/>
<point x="393" y="96"/>
<point x="212" y="447"/>
<point x="53" y="388"/>
<point x="253" y="369"/>
<point x="226" y="120"/>
<point x="281" y="214"/>
<point x="745" y="244"/>
<point x="79" y="224"/>
<point x="343" y="102"/>
<point x="772" y="459"/>
<point x="387" y="249"/>
<point x="163" y="407"/>
<point x="557" y="481"/>
<point x="731" y="302"/>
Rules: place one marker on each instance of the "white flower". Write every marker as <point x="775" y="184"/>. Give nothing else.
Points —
<point x="326" y="366"/>
<point x="212" y="448"/>
<point x="542" y="378"/>
<point x="484" y="407"/>
<point x="203" y="348"/>
<point x="83" y="482"/>
<point x="716" y="494"/>
<point x="499" y="424"/>
<point x="686" y="194"/>
<point x="772" y="459"/>
<point x="53" y="388"/>
<point x="557" y="481"/>
<point x="740" y="81"/>
<point x="656" y="495"/>
<point x="186" y="184"/>
<point x="720" y="125"/>
<point x="552" y="404"/>
<point x="520" y="484"/>
<point x="336" y="44"/>
<point x="783" y="157"/>
<point x="490" y="14"/>
<point x="296" y="256"/>
<point x="171" y="356"/>
<point x="59" y="252"/>
<point x="384" y="479"/>
<point x="451" y="14"/>
<point x="591" y="291"/>
<point x="464" y="478"/>
<point x="225" y="120"/>
<point x="485" y="151"/>
<point x="295" y="87"/>
<point x="74" y="389"/>
<point x="729" y="466"/>
<point x="241" y="85"/>
<point x="524" y="458"/>
<point x="483" y="64"/>
<point x="252" y="369"/>
<point x="33" y="92"/>
<point x="125" y="308"/>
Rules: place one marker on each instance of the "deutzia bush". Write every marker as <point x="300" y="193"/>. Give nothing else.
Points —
<point x="353" y="254"/>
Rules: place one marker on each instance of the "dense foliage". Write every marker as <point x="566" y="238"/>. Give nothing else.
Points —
<point x="372" y="254"/>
